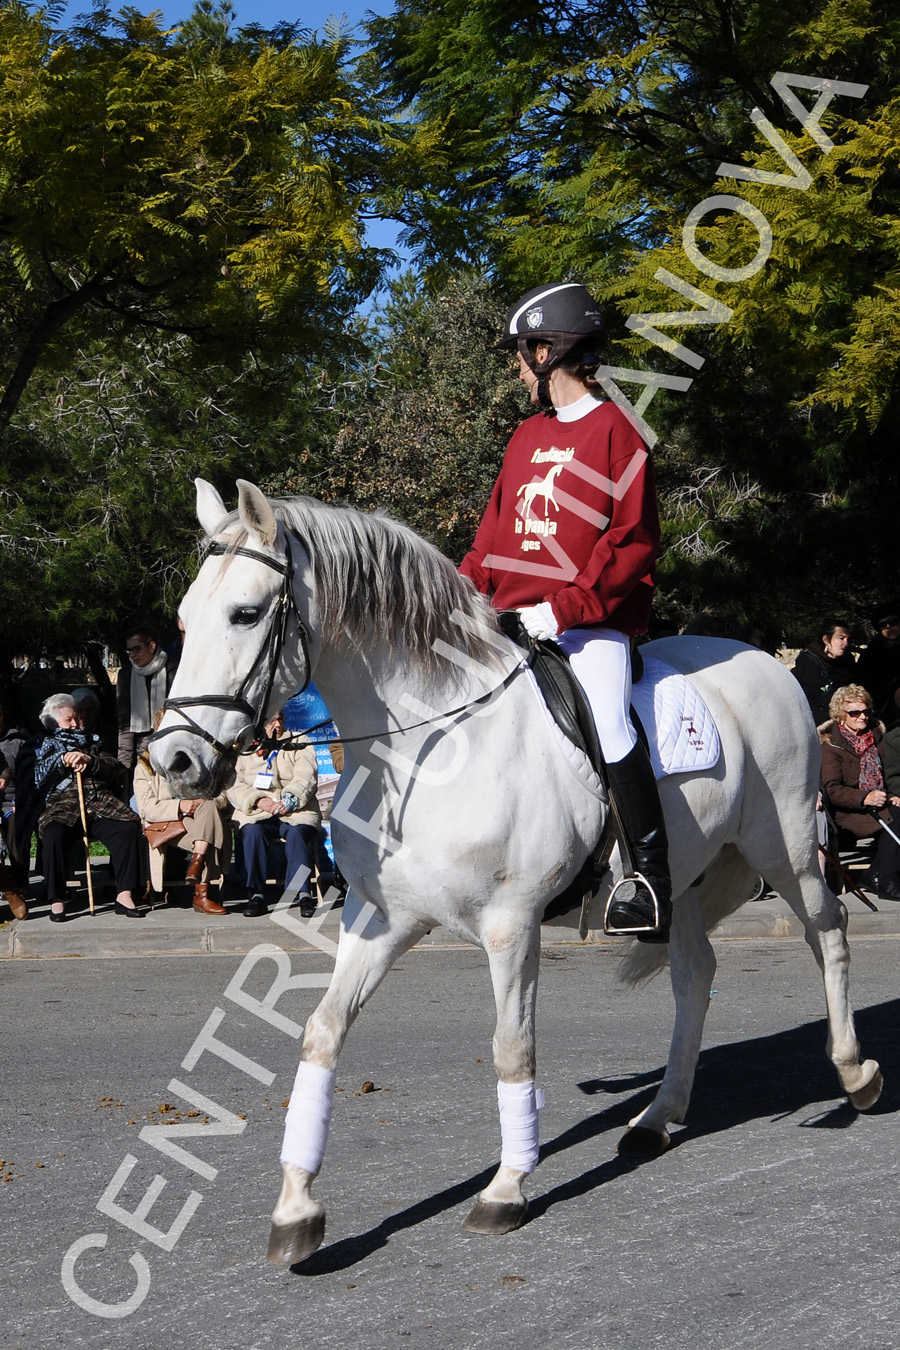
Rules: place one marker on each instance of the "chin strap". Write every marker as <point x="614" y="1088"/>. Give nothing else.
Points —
<point x="543" y="393"/>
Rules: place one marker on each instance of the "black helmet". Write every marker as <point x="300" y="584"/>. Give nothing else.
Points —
<point x="563" y="315"/>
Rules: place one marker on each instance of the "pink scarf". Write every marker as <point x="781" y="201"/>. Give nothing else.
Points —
<point x="871" y="777"/>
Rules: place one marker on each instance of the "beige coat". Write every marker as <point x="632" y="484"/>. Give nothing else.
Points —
<point x="293" y="769"/>
<point x="155" y="804"/>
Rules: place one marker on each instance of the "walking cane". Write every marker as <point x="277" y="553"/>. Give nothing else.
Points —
<point x="87" y="846"/>
<point x="857" y="891"/>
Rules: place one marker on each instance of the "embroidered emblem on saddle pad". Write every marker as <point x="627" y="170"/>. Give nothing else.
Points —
<point x="682" y="734"/>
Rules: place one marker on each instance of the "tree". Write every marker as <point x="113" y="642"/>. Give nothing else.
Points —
<point x="417" y="421"/>
<point x="185" y="182"/>
<point x="570" y="139"/>
<point x="181" y="242"/>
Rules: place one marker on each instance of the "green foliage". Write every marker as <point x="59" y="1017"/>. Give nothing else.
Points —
<point x="418" y="420"/>
<point x="572" y="139"/>
<point x="181" y="237"/>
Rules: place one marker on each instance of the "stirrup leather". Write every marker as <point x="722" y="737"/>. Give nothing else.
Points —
<point x="655" y="927"/>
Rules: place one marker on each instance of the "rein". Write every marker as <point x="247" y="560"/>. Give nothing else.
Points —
<point x="272" y="647"/>
<point x="269" y="653"/>
<point x="427" y="722"/>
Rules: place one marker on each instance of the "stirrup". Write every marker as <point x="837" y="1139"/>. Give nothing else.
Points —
<point x="655" y="927"/>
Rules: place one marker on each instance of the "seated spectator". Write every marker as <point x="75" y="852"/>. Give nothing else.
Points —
<point x="89" y="709"/>
<point x="878" y="667"/>
<point x="68" y="750"/>
<point x="274" y="794"/>
<point x="8" y="886"/>
<point x="14" y="874"/>
<point x="854" y="784"/>
<point x="141" y="690"/>
<point x="825" y="665"/>
<point x="202" y="829"/>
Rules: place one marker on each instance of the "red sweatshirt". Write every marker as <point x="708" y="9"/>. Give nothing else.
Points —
<point x="572" y="519"/>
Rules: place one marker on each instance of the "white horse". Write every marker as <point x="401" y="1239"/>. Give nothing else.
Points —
<point x="471" y="811"/>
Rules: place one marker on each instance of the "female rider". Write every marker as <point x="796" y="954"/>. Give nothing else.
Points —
<point x="570" y="539"/>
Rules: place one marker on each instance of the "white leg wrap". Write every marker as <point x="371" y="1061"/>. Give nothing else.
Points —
<point x="308" y="1117"/>
<point x="519" y="1105"/>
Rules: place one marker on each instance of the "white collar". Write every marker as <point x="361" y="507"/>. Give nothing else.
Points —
<point x="573" y="412"/>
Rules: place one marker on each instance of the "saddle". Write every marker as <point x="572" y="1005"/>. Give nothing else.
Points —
<point x="568" y="706"/>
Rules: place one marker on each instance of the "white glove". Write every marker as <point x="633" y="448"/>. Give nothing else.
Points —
<point x="539" y="621"/>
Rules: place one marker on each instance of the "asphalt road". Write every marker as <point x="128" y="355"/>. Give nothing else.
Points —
<point x="772" y="1221"/>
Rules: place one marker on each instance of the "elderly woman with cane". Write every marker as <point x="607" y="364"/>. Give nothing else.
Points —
<point x="854" y="786"/>
<point x="70" y="771"/>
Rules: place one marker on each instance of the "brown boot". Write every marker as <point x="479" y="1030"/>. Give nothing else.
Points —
<point x="11" y="896"/>
<point x="195" y="867"/>
<point x="203" y="904"/>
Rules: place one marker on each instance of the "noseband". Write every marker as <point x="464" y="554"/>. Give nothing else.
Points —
<point x="269" y="654"/>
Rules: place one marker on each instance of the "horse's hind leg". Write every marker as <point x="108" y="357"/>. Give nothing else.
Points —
<point x="824" y="920"/>
<point x="692" y="965"/>
<point x="514" y="957"/>
<point x="368" y="947"/>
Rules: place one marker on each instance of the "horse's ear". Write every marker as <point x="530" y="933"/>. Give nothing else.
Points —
<point x="211" y="510"/>
<point x="255" y="512"/>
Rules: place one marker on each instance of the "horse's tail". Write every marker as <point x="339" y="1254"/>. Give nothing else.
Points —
<point x="727" y="883"/>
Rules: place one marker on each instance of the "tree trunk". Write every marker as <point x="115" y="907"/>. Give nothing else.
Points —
<point x="56" y="316"/>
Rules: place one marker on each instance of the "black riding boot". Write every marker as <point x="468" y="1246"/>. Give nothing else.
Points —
<point x="632" y="908"/>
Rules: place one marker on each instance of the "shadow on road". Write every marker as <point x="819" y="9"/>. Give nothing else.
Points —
<point x="768" y="1077"/>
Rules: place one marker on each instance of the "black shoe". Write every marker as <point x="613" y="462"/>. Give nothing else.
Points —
<point x="124" y="910"/>
<point x="307" y="906"/>
<point x="57" y="918"/>
<point x="256" y="907"/>
<point x="889" y="889"/>
<point x="641" y="905"/>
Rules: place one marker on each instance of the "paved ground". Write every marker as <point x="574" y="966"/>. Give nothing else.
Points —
<point x="772" y="1221"/>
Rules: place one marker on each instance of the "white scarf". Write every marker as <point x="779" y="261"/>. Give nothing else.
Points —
<point x="146" y="698"/>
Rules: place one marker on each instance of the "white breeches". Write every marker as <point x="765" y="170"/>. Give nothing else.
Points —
<point x="601" y="660"/>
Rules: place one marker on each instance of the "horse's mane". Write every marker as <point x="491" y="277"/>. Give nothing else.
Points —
<point x="377" y="578"/>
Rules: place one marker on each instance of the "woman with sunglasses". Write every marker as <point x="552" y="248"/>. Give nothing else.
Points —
<point x="854" y="786"/>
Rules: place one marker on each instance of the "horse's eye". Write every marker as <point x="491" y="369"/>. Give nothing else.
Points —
<point x="246" y="615"/>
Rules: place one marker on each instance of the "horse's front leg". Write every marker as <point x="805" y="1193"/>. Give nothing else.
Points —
<point x="514" y="959"/>
<point x="369" y="944"/>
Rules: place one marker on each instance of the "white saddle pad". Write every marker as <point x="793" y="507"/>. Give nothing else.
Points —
<point x="679" y="726"/>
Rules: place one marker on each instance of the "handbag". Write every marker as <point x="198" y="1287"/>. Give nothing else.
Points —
<point x="162" y="832"/>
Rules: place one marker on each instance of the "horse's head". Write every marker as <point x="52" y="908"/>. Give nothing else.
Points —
<point x="245" y="647"/>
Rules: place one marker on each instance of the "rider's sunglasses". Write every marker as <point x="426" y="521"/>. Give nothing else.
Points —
<point x="889" y="622"/>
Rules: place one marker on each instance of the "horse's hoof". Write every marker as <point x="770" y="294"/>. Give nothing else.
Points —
<point x="868" y="1095"/>
<point x="639" y="1142"/>
<point x="293" y="1242"/>
<point x="491" y="1218"/>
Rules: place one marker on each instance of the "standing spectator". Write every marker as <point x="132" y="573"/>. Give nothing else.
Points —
<point x="825" y="665"/>
<point x="142" y="689"/>
<point x="878" y="668"/>
<point x="274" y="794"/>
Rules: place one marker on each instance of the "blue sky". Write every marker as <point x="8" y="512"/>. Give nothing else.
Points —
<point x="312" y="14"/>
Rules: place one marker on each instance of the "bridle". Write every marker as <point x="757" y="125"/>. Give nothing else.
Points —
<point x="269" y="655"/>
<point x="271" y="649"/>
